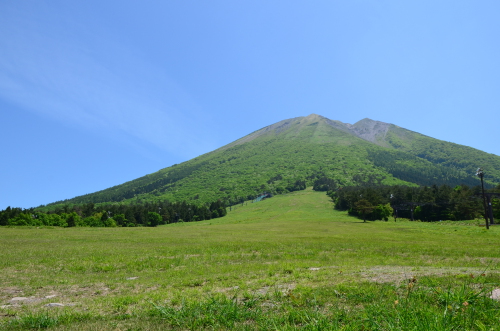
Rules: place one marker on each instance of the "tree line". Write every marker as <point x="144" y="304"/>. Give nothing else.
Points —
<point x="425" y="203"/>
<point x="114" y="214"/>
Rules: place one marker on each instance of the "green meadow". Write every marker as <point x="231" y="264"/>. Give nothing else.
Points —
<point x="285" y="263"/>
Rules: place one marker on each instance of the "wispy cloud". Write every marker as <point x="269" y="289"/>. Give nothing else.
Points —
<point x="54" y="72"/>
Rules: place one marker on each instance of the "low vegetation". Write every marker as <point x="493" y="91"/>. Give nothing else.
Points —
<point x="288" y="262"/>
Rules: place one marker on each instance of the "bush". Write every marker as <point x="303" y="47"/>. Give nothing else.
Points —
<point x="154" y="219"/>
<point x="56" y="220"/>
<point x="120" y="219"/>
<point x="73" y="219"/>
<point x="93" y="221"/>
<point x="110" y="223"/>
<point x="382" y="212"/>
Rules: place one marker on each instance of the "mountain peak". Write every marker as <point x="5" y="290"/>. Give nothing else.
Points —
<point x="313" y="117"/>
<point x="294" y="153"/>
<point x="368" y="129"/>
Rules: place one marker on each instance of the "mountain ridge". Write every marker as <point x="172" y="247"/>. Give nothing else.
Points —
<point x="294" y="152"/>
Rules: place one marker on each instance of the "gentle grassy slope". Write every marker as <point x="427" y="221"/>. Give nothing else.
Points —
<point x="287" y="262"/>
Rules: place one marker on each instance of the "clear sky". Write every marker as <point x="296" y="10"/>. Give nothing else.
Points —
<point x="96" y="93"/>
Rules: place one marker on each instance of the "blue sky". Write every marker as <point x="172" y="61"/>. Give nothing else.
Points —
<point x="96" y="93"/>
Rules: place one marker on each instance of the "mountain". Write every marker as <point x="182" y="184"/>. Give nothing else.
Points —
<point x="294" y="153"/>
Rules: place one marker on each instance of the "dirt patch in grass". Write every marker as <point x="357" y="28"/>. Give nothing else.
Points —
<point x="281" y="288"/>
<point x="10" y="290"/>
<point x="260" y="292"/>
<point x="401" y="274"/>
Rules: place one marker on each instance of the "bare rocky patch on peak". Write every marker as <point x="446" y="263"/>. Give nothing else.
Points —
<point x="373" y="131"/>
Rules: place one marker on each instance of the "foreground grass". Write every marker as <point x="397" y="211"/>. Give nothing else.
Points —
<point x="284" y="263"/>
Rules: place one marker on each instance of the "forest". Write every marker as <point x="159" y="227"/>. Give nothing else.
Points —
<point x="424" y="203"/>
<point x="114" y="214"/>
<point x="368" y="202"/>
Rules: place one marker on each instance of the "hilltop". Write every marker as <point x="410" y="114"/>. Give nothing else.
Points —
<point x="292" y="154"/>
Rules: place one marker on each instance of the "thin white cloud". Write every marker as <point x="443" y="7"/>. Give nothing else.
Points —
<point x="53" y="72"/>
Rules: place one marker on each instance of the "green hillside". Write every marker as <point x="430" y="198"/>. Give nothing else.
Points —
<point x="291" y="262"/>
<point x="449" y="155"/>
<point x="292" y="154"/>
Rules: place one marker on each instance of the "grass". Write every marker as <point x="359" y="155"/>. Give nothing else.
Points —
<point x="290" y="262"/>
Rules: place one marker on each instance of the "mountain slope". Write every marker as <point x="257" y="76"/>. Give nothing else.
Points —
<point x="293" y="153"/>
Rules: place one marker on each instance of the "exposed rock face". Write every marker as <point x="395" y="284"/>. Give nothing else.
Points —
<point x="367" y="129"/>
<point x="370" y="130"/>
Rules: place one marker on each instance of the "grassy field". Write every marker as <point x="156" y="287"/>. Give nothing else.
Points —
<point x="289" y="262"/>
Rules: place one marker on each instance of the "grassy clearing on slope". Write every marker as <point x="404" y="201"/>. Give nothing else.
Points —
<point x="287" y="262"/>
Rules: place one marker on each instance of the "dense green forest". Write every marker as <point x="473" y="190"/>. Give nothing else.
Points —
<point x="460" y="159"/>
<point x="414" y="169"/>
<point x="110" y="215"/>
<point x="424" y="203"/>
